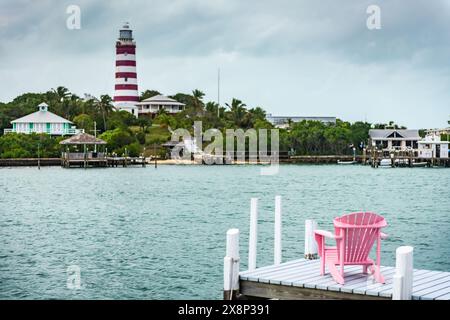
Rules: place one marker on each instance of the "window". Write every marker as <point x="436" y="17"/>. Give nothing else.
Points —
<point x="126" y="79"/>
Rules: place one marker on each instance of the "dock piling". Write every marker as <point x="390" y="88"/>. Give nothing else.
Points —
<point x="403" y="278"/>
<point x="253" y="236"/>
<point x="310" y="242"/>
<point x="231" y="266"/>
<point x="277" y="235"/>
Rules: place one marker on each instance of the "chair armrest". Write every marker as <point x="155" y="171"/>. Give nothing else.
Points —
<point x="383" y="235"/>
<point x="327" y="234"/>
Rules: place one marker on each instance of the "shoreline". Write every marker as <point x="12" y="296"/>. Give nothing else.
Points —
<point x="47" y="162"/>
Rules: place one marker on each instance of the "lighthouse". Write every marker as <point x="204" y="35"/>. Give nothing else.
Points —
<point x="126" y="88"/>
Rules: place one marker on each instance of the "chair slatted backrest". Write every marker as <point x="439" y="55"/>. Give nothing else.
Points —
<point x="360" y="230"/>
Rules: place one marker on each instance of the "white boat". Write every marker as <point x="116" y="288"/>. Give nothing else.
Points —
<point x="347" y="162"/>
<point x="419" y="164"/>
<point x="385" y="163"/>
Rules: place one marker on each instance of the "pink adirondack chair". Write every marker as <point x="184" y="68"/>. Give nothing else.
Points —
<point x="355" y="234"/>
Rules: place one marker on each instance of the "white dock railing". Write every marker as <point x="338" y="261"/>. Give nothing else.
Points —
<point x="403" y="278"/>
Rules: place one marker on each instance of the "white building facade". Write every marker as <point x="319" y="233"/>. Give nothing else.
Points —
<point x="157" y="103"/>
<point x="43" y="121"/>
<point x="432" y="147"/>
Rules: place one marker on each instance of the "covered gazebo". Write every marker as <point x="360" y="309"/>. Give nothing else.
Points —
<point x="81" y="150"/>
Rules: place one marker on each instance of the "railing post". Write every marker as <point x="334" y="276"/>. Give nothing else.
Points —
<point x="253" y="236"/>
<point x="403" y="278"/>
<point x="310" y="241"/>
<point x="231" y="266"/>
<point x="277" y="235"/>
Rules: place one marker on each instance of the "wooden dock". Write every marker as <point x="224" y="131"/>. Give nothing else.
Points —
<point x="300" y="279"/>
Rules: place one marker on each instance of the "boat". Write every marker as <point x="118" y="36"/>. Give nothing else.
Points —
<point x="347" y="162"/>
<point x="419" y="164"/>
<point x="385" y="163"/>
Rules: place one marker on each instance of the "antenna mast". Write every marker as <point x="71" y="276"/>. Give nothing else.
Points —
<point x="218" y="92"/>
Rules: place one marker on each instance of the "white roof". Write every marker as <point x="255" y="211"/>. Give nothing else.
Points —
<point x="41" y="117"/>
<point x="160" y="100"/>
<point x="385" y="133"/>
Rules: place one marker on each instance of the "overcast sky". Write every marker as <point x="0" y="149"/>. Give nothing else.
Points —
<point x="311" y="58"/>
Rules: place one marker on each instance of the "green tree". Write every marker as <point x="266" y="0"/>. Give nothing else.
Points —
<point x="105" y="106"/>
<point x="84" y="121"/>
<point x="237" y="111"/>
<point x="198" y="99"/>
<point x="148" y="94"/>
<point x="117" y="139"/>
<point x="144" y="123"/>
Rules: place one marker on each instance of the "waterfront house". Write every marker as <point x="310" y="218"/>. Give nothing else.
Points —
<point x="433" y="147"/>
<point x="157" y="103"/>
<point x="283" y="121"/>
<point x="394" y="139"/>
<point x="43" y="121"/>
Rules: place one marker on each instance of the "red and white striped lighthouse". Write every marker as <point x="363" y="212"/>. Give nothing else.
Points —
<point x="126" y="88"/>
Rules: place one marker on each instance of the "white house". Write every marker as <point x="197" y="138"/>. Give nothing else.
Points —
<point x="43" y="121"/>
<point x="159" y="102"/>
<point x="394" y="139"/>
<point x="432" y="147"/>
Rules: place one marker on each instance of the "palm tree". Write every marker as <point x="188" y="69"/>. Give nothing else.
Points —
<point x="237" y="111"/>
<point x="105" y="106"/>
<point x="198" y="99"/>
<point x="60" y="95"/>
<point x="211" y="107"/>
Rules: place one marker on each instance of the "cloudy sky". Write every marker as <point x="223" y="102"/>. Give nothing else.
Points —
<point x="289" y="57"/>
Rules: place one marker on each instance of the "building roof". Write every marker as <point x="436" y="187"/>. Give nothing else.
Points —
<point x="82" y="138"/>
<point x="43" y="116"/>
<point x="160" y="100"/>
<point x="385" y="133"/>
<point x="284" y="119"/>
<point x="172" y="144"/>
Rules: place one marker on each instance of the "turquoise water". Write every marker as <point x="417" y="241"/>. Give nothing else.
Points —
<point x="160" y="234"/>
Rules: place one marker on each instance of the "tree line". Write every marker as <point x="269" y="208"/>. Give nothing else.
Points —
<point x="121" y="130"/>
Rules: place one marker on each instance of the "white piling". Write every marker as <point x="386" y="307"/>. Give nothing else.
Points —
<point x="231" y="265"/>
<point x="310" y="241"/>
<point x="403" y="278"/>
<point x="253" y="237"/>
<point x="277" y="236"/>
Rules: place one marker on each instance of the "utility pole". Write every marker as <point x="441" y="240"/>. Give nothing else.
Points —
<point x="154" y="154"/>
<point x="218" y="92"/>
<point x="95" y="135"/>
<point x="39" y="154"/>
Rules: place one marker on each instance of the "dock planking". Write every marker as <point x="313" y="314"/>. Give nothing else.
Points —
<point x="301" y="279"/>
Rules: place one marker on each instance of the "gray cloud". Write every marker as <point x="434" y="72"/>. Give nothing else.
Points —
<point x="291" y="57"/>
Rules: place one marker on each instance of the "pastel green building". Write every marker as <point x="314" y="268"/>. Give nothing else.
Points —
<point x="43" y="121"/>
